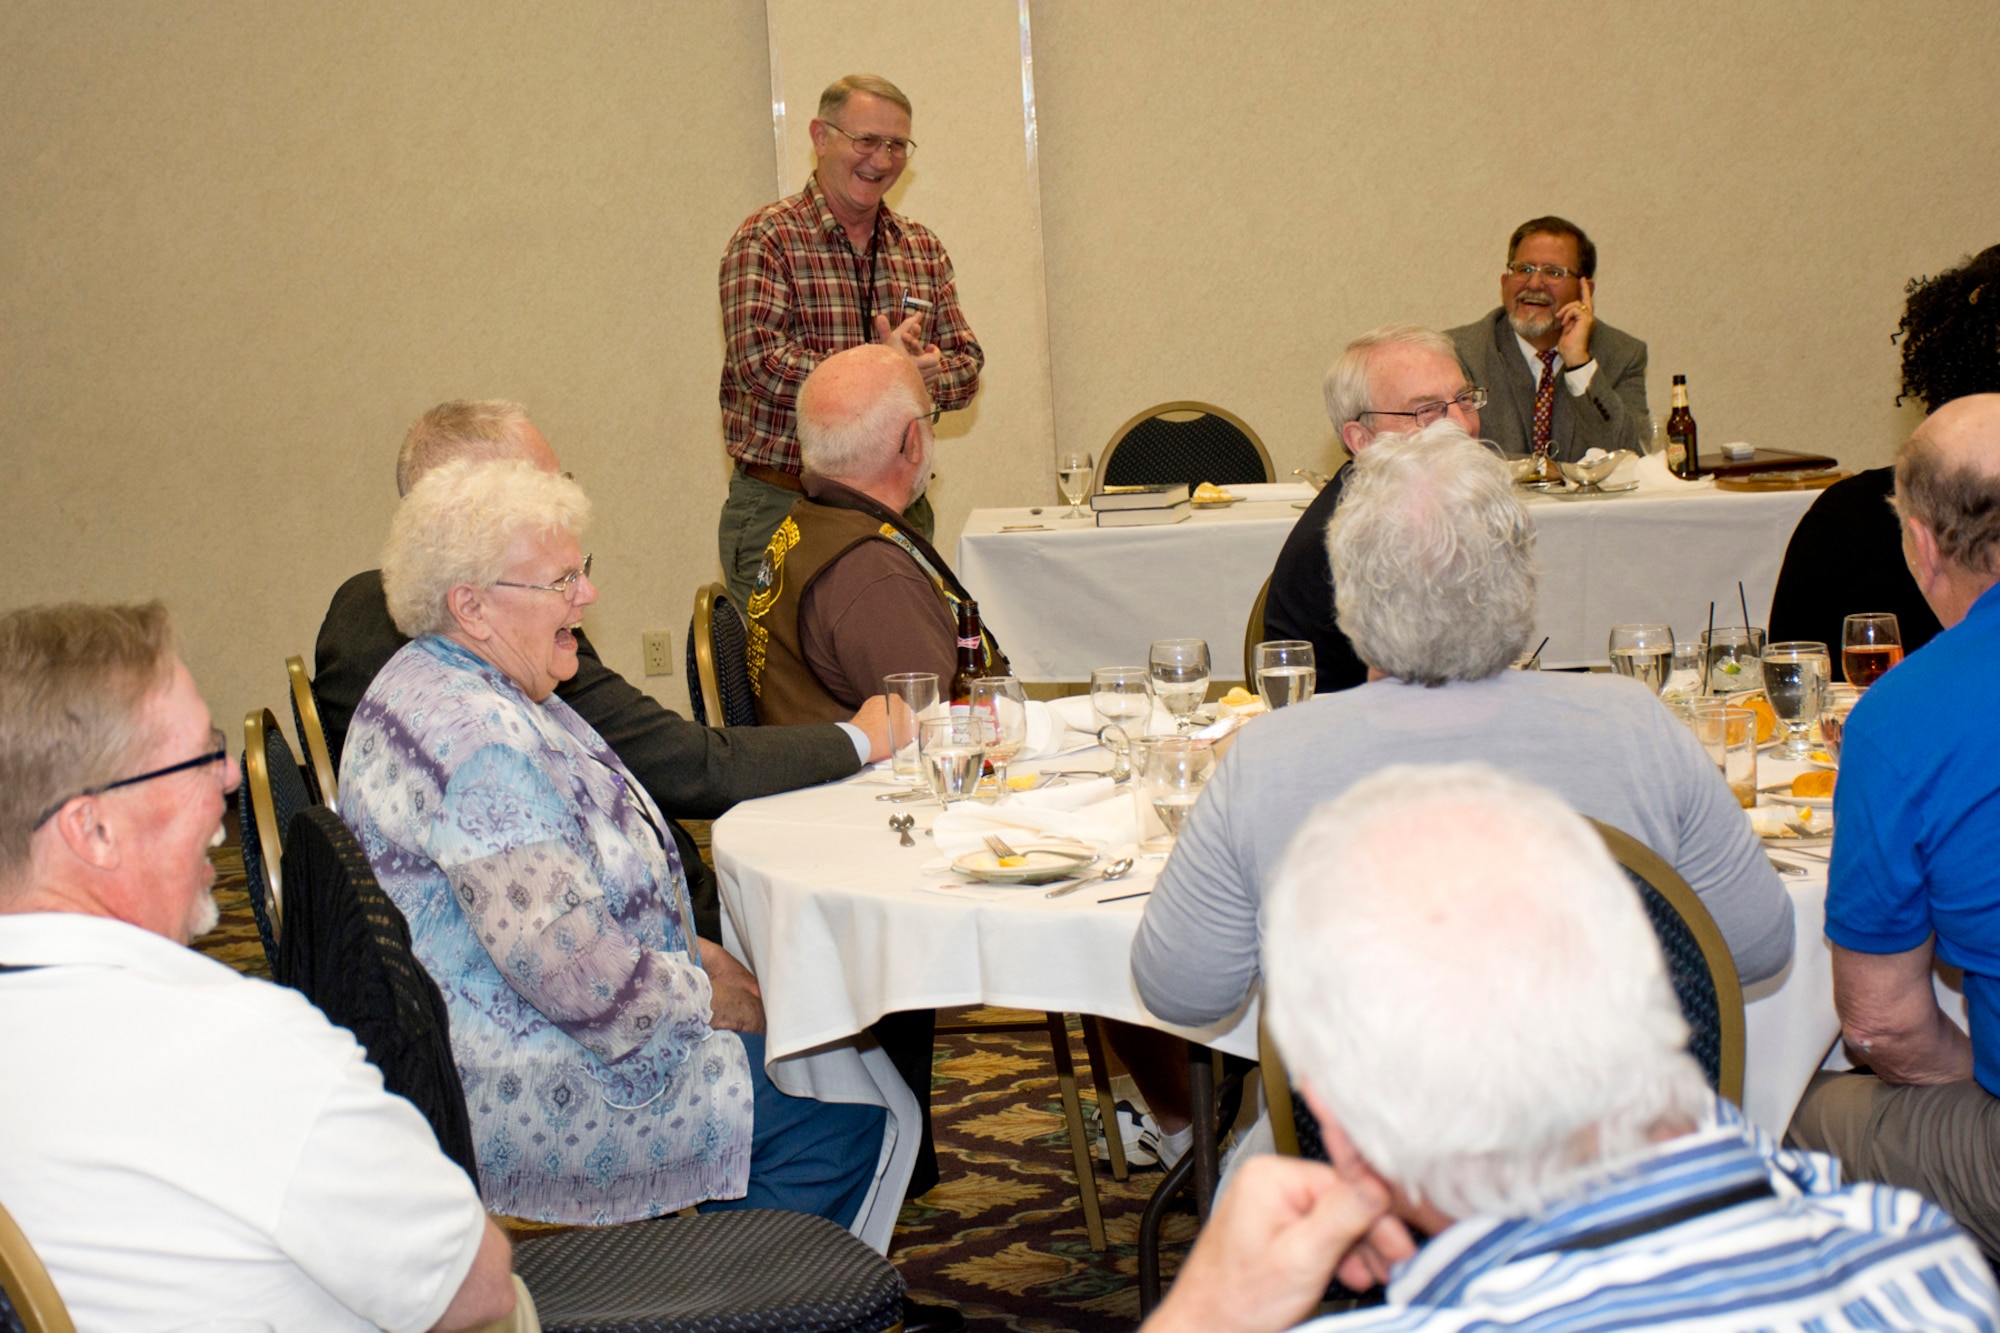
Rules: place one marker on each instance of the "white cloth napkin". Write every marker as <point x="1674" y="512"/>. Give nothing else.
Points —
<point x="1091" y="811"/>
<point x="1268" y="491"/>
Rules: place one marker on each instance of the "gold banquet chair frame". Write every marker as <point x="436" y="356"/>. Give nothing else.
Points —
<point x="323" y="787"/>
<point x="30" y="1289"/>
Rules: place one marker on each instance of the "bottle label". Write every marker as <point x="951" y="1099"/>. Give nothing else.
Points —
<point x="972" y="643"/>
<point x="1677" y="453"/>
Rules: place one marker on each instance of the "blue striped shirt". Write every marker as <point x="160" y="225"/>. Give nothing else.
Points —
<point x="1811" y="1255"/>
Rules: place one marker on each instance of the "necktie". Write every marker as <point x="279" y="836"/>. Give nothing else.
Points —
<point x="1545" y="400"/>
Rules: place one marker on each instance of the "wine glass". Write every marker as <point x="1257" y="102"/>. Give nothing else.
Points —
<point x="952" y="749"/>
<point x="1002" y="705"/>
<point x="1870" y="643"/>
<point x="1073" y="470"/>
<point x="1285" y="671"/>
<point x="1177" y="768"/>
<point x="1795" y="680"/>
<point x="1122" y="697"/>
<point x="1180" y="676"/>
<point x="1643" y="652"/>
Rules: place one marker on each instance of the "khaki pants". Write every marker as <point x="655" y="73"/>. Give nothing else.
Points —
<point x="753" y="512"/>
<point x="1941" y="1139"/>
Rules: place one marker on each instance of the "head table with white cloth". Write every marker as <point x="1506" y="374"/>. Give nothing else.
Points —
<point x="1063" y="596"/>
<point x="842" y="924"/>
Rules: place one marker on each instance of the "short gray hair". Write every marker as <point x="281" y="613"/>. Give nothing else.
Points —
<point x="455" y="526"/>
<point x="1468" y="982"/>
<point x="850" y="442"/>
<point x="834" y="100"/>
<point x="73" y="681"/>
<point x="1433" y="558"/>
<point x="483" y="430"/>
<point x="1958" y="502"/>
<point x="1347" y="379"/>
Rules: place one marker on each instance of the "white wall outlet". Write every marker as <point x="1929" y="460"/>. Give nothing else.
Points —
<point x="659" y="649"/>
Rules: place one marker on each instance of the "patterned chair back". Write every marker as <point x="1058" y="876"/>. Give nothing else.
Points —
<point x="1184" y="441"/>
<point x="719" y="662"/>
<point x="273" y="792"/>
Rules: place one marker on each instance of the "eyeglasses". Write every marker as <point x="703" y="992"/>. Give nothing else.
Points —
<point x="566" y="585"/>
<point x="217" y="755"/>
<point x="1553" y="272"/>
<point x="870" y="144"/>
<point x="1469" y="401"/>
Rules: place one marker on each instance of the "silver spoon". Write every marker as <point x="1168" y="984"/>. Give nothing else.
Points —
<point x="903" y="824"/>
<point x="1116" y="870"/>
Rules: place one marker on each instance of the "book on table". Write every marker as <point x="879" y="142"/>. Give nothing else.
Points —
<point x="1117" y="498"/>
<point x="1141" y="518"/>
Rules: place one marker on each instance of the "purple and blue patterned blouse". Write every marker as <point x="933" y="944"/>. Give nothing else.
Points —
<point x="546" y="899"/>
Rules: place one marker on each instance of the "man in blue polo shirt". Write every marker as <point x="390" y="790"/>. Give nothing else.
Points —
<point x="1916" y="863"/>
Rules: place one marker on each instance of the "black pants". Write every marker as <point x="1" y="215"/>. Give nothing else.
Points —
<point x="908" y="1038"/>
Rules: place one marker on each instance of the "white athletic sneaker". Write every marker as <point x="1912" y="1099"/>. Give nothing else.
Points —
<point x="1144" y="1143"/>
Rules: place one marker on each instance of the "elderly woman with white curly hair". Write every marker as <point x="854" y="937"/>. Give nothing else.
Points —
<point x="602" y="1076"/>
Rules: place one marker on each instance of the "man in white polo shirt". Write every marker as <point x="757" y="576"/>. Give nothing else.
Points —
<point x="177" y="1141"/>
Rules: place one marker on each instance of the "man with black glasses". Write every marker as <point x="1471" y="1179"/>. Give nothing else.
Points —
<point x="831" y="267"/>
<point x="1557" y="377"/>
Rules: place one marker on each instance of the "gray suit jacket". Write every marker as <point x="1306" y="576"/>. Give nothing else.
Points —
<point x="1608" y="415"/>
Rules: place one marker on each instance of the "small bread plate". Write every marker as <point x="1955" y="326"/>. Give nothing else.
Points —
<point x="1787" y="825"/>
<point x="1799" y="802"/>
<point x="1598" y="492"/>
<point x="1035" y="865"/>
<point x="1219" y="502"/>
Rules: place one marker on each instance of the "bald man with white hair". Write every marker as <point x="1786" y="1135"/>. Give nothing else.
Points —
<point x="1467" y="992"/>
<point x="1916" y="868"/>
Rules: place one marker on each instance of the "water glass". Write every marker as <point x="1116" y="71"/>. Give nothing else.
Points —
<point x="1870" y="643"/>
<point x="1644" y="653"/>
<point x="1732" y="655"/>
<point x="1073" y="472"/>
<point x="910" y="695"/>
<point x="1001" y="705"/>
<point x="1840" y="701"/>
<point x="1796" y="675"/>
<point x="1180" y="676"/>
<point x="1285" y="671"/>
<point x="1729" y="734"/>
<point x="1176" y="770"/>
<point x="1122" y="697"/>
<point x="952" y="748"/>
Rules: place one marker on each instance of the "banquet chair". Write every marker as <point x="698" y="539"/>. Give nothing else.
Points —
<point x="718" y="1271"/>
<point x="320" y="773"/>
<point x="1253" y="634"/>
<point x="274" y="790"/>
<point x="1184" y="441"/>
<point x="29" y="1300"/>
<point x="718" y="655"/>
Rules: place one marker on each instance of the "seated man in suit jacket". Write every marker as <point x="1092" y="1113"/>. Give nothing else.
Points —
<point x="1552" y="373"/>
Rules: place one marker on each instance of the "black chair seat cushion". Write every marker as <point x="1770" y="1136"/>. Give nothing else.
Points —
<point x="750" y="1271"/>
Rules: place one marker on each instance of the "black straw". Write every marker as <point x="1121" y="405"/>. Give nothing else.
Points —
<point x="1706" y="641"/>
<point x="1536" y="656"/>
<point x="1744" y="602"/>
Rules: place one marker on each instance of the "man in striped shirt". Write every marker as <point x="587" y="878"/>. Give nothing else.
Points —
<point x="831" y="267"/>
<point x="1469" y="996"/>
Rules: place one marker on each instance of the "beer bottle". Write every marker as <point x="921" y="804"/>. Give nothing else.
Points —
<point x="970" y="653"/>
<point x="1683" y="453"/>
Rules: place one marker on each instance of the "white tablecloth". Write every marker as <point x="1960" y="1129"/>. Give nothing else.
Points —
<point x="1066" y="596"/>
<point x="841" y="925"/>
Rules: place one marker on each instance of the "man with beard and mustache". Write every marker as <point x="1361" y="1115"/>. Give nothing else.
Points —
<point x="1554" y="375"/>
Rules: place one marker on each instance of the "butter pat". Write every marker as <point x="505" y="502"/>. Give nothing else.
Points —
<point x="1737" y="451"/>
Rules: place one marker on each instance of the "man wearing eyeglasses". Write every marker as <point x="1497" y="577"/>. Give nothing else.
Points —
<point x="179" y="1142"/>
<point x="1560" y="382"/>
<point x="831" y="267"/>
<point x="1390" y="380"/>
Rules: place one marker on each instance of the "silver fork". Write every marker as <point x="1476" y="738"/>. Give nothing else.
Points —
<point x="999" y="847"/>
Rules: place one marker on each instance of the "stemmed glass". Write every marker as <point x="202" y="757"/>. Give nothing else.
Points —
<point x="1001" y="705"/>
<point x="1122" y="696"/>
<point x="1073" y="470"/>
<point x="952" y="749"/>
<point x="1795" y="680"/>
<point x="1177" y="768"/>
<point x="1643" y="652"/>
<point x="1285" y="671"/>
<point x="1870" y="643"/>
<point x="1180" y="676"/>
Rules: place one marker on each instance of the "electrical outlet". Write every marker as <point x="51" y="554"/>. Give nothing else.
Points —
<point x="659" y="649"/>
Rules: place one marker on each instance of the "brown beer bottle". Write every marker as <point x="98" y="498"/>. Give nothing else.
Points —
<point x="970" y="645"/>
<point x="1683" y="452"/>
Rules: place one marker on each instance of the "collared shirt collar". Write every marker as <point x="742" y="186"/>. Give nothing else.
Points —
<point x="58" y="939"/>
<point x="887" y="226"/>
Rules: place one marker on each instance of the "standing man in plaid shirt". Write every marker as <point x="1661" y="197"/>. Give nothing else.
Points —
<point x="815" y="274"/>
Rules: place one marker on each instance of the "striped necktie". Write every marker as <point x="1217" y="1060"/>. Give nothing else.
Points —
<point x="1545" y="401"/>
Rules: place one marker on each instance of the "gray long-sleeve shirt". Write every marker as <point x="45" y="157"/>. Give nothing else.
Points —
<point x="1602" y="743"/>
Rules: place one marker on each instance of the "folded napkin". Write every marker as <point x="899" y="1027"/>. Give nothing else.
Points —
<point x="1268" y="491"/>
<point x="1090" y="812"/>
<point x="1078" y="715"/>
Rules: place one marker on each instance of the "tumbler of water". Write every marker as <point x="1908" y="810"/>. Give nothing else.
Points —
<point x="953" y="751"/>
<point x="1643" y="652"/>
<point x="1732" y="654"/>
<point x="1177" y="768"/>
<point x="1285" y="671"/>
<point x="1796" y="675"/>
<point x="1180" y="676"/>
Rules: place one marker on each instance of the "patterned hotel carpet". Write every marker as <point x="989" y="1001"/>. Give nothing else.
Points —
<point x="1001" y="1237"/>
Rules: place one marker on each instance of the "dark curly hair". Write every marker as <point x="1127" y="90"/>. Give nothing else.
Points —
<point x="1951" y="333"/>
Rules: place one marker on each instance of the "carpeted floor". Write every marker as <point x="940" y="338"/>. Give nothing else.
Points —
<point x="1002" y="1236"/>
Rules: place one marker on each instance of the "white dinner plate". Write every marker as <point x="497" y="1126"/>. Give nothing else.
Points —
<point x="1801" y="802"/>
<point x="1036" y="865"/>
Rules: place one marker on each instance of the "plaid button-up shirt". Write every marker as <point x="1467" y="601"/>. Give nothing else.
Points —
<point x="794" y="293"/>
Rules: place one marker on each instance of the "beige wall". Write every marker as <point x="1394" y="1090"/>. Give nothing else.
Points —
<point x="245" y="243"/>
